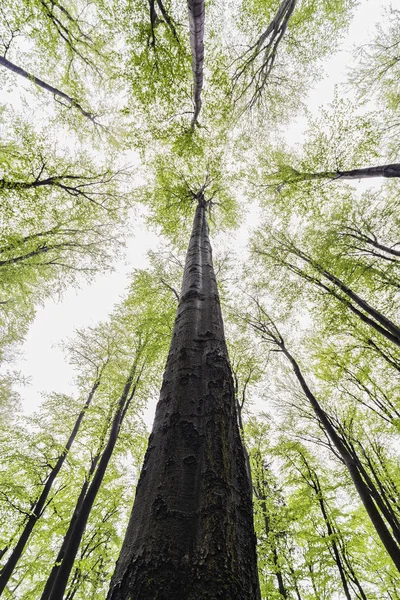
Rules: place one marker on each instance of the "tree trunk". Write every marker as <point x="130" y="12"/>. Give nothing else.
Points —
<point x="275" y="559"/>
<point x="196" y="24"/>
<point x="394" y="338"/>
<point x="363" y="304"/>
<point x="391" y="170"/>
<point x="314" y="483"/>
<point x="352" y="465"/>
<point x="190" y="534"/>
<point x="61" y="553"/>
<point x="40" y="504"/>
<point x="78" y="525"/>
<point x="45" y="86"/>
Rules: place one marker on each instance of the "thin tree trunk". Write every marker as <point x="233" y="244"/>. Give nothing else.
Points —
<point x="40" y="504"/>
<point x="45" y="86"/>
<point x="190" y="534"/>
<point x="277" y="571"/>
<point x="395" y="339"/>
<point x="196" y="24"/>
<point x="391" y="170"/>
<point x="372" y="240"/>
<point x="61" y="553"/>
<point x="265" y="47"/>
<point x="362" y="488"/>
<point x="363" y="304"/>
<point x="259" y="491"/>
<point x="384" y="355"/>
<point x="77" y="528"/>
<point x="316" y="486"/>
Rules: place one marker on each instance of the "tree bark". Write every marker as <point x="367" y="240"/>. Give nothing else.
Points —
<point x="45" y="86"/>
<point x="362" y="488"/>
<point x="40" y="504"/>
<point x="196" y="24"/>
<point x="391" y="170"/>
<point x="191" y="533"/>
<point x="81" y="515"/>
<point x="314" y="483"/>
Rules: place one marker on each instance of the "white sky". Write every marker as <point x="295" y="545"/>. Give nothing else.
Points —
<point x="41" y="358"/>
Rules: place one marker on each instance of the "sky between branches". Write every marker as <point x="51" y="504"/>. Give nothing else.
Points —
<point x="41" y="359"/>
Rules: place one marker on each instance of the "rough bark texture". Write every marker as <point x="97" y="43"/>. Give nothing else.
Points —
<point x="190" y="534"/>
<point x="196" y="24"/>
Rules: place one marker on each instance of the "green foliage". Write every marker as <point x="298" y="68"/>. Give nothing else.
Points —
<point x="66" y="199"/>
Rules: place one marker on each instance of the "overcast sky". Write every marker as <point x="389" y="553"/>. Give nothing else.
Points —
<point x="41" y="358"/>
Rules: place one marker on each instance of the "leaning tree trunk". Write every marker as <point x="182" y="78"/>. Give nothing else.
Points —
<point x="45" y="86"/>
<point x="40" y="504"/>
<point x="333" y="535"/>
<point x="190" y="534"/>
<point x="61" y="571"/>
<point x="353" y="466"/>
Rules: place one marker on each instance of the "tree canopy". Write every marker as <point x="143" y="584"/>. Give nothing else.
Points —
<point x="117" y="117"/>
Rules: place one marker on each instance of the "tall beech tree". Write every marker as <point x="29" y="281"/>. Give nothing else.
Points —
<point x="381" y="516"/>
<point x="196" y="23"/>
<point x="139" y="68"/>
<point x="40" y="504"/>
<point x="190" y="534"/>
<point x="58" y="580"/>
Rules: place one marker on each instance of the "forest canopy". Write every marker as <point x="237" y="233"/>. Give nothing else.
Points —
<point x="122" y="122"/>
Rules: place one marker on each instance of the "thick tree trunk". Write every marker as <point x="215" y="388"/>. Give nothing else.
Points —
<point x="45" y="86"/>
<point x="190" y="534"/>
<point x="196" y="24"/>
<point x="81" y="515"/>
<point x="40" y="504"/>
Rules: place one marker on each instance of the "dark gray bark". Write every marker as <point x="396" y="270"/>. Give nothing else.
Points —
<point x="293" y="176"/>
<point x="265" y="47"/>
<point x="378" y="321"/>
<point x="190" y="534"/>
<point x="392" y="170"/>
<point x="45" y="86"/>
<point x="61" y="572"/>
<point x="40" y="505"/>
<point x="196" y="24"/>
<point x="313" y="481"/>
<point x="352" y="465"/>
